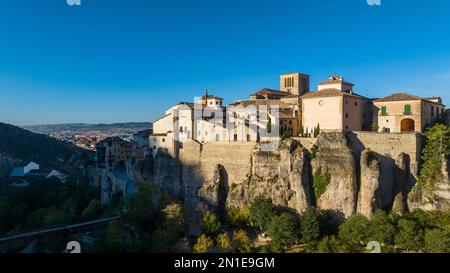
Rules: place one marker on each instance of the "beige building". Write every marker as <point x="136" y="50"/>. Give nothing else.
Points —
<point x="291" y="110"/>
<point x="334" y="107"/>
<point x="401" y="112"/>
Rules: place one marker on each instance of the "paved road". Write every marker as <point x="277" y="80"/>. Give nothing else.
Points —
<point x="47" y="231"/>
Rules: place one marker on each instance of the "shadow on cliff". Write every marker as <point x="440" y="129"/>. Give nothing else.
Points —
<point x="394" y="179"/>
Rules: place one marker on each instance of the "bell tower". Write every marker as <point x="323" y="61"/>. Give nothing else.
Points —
<point x="294" y="83"/>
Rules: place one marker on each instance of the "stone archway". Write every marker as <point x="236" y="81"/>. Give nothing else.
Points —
<point x="407" y="125"/>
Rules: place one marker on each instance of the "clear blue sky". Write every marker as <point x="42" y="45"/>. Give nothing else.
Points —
<point x="129" y="60"/>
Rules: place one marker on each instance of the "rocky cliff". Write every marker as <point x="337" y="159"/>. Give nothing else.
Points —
<point x="340" y="173"/>
<point x="283" y="175"/>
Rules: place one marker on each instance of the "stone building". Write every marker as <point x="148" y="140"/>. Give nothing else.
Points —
<point x="401" y="113"/>
<point x="335" y="107"/>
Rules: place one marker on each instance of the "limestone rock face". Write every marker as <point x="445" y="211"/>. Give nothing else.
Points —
<point x="437" y="200"/>
<point x="368" y="199"/>
<point x="401" y="181"/>
<point x="282" y="175"/>
<point x="335" y="157"/>
<point x="166" y="175"/>
<point x="214" y="192"/>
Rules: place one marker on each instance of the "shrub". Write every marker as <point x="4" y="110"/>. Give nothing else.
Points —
<point x="239" y="216"/>
<point x="241" y="243"/>
<point x="437" y="241"/>
<point x="374" y="127"/>
<point x="410" y="235"/>
<point x="224" y="242"/>
<point x="321" y="181"/>
<point x="210" y="224"/>
<point x="329" y="244"/>
<point x="203" y="245"/>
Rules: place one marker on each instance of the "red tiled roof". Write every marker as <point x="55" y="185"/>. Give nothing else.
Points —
<point x="267" y="91"/>
<point x="405" y="97"/>
<point x="335" y="79"/>
<point x="398" y="97"/>
<point x="329" y="92"/>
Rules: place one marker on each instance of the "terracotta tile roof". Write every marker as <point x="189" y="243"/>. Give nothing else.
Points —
<point x="158" y="135"/>
<point x="335" y="79"/>
<point x="398" y="97"/>
<point x="330" y="92"/>
<point x="246" y="103"/>
<point x="267" y="91"/>
<point x="189" y="104"/>
<point x="405" y="97"/>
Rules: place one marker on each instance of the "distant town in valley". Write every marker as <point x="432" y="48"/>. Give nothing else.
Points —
<point x="88" y="135"/>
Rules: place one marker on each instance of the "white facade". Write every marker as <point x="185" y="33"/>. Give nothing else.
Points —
<point x="24" y="170"/>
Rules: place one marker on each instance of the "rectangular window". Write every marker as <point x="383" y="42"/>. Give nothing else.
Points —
<point x="408" y="109"/>
<point x="383" y="110"/>
<point x="248" y="137"/>
<point x="235" y="137"/>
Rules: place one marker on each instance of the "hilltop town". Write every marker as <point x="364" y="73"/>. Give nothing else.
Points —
<point x="338" y="132"/>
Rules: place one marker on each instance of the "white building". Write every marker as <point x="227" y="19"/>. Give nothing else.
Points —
<point x="24" y="170"/>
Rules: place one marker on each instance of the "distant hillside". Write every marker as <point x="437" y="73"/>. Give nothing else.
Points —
<point x="19" y="145"/>
<point x="83" y="127"/>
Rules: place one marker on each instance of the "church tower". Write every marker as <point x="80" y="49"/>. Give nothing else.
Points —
<point x="294" y="83"/>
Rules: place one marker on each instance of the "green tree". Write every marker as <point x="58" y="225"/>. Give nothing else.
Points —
<point x="210" y="224"/>
<point x="204" y="244"/>
<point x="163" y="240"/>
<point x="140" y="210"/>
<point x="238" y="216"/>
<point x="329" y="244"/>
<point x="224" y="242"/>
<point x="317" y="130"/>
<point x="302" y="131"/>
<point x="321" y="181"/>
<point x="174" y="217"/>
<point x="354" y="231"/>
<point x="261" y="212"/>
<point x="310" y="225"/>
<point x="381" y="228"/>
<point x="241" y="243"/>
<point x="269" y="125"/>
<point x="91" y="210"/>
<point x="170" y="230"/>
<point x="410" y="235"/>
<point x="437" y="241"/>
<point x="374" y="127"/>
<point x="113" y="240"/>
<point x="436" y="149"/>
<point x="283" y="232"/>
